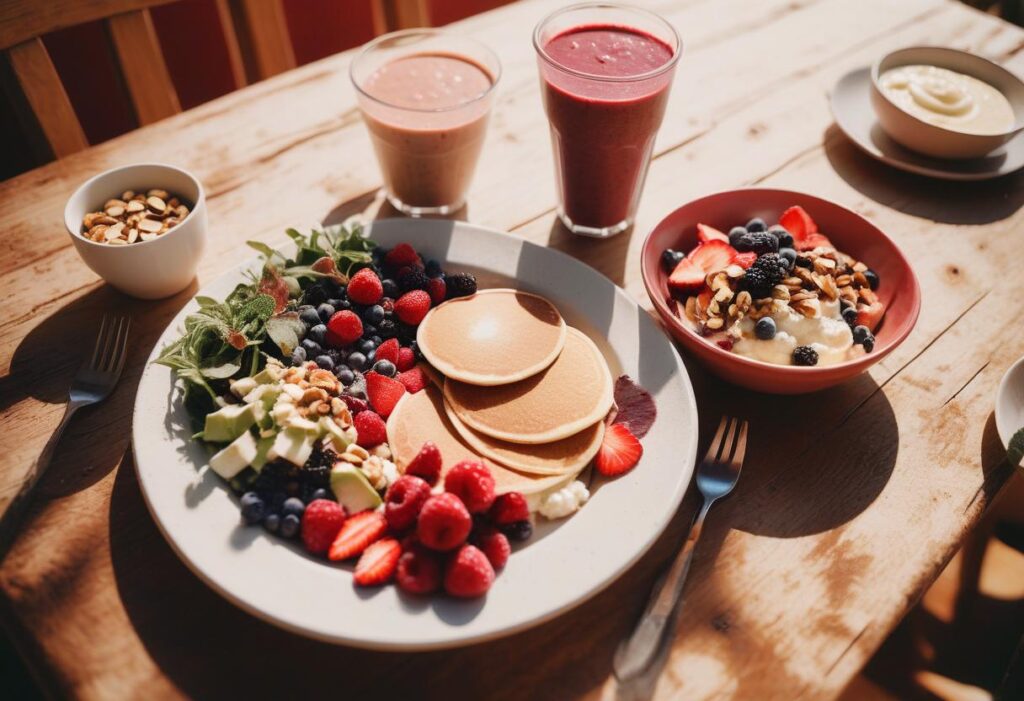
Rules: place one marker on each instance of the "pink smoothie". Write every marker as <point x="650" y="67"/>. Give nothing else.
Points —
<point x="427" y="117"/>
<point x="603" y="130"/>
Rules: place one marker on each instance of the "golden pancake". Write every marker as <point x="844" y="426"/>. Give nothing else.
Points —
<point x="567" y="456"/>
<point x="572" y="394"/>
<point x="493" y="337"/>
<point x="420" y="417"/>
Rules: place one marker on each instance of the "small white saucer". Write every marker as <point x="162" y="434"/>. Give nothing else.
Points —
<point x="1010" y="402"/>
<point x="851" y="108"/>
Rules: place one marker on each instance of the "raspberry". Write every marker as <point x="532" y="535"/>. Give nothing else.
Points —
<point x="414" y="379"/>
<point x="509" y="508"/>
<point x="494" y="545"/>
<point x="405" y="359"/>
<point x="460" y="285"/>
<point x="343" y="328"/>
<point x="321" y="522"/>
<point x="473" y="483"/>
<point x="403" y="501"/>
<point x="401" y="255"/>
<point x="437" y="289"/>
<point x="365" y="287"/>
<point x="383" y="392"/>
<point x="419" y="572"/>
<point x="354" y="404"/>
<point x="412" y="307"/>
<point x="426" y="464"/>
<point x="378" y="563"/>
<point x="414" y="279"/>
<point x="469" y="574"/>
<point x="370" y="429"/>
<point x="388" y="351"/>
<point x="444" y="522"/>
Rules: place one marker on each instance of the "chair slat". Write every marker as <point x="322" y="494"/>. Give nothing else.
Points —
<point x="267" y="27"/>
<point x="143" y="66"/>
<point x="231" y="41"/>
<point x="46" y="96"/>
<point x="410" y="13"/>
<point x="21" y="20"/>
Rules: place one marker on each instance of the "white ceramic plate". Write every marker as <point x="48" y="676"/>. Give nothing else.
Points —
<point x="566" y="561"/>
<point x="851" y="108"/>
<point x="1010" y="402"/>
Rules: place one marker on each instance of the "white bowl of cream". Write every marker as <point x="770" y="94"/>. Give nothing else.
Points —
<point x="946" y="103"/>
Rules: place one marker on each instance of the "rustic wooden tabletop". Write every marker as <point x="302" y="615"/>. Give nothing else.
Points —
<point x="852" y="500"/>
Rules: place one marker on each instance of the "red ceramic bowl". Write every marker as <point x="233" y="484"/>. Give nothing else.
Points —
<point x="850" y="232"/>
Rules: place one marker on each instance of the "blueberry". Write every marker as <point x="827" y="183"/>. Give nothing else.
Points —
<point x="374" y="314"/>
<point x="765" y="328"/>
<point x="317" y="334"/>
<point x="670" y="259"/>
<point x="518" y="530"/>
<point x="860" y="334"/>
<point x="433" y="268"/>
<point x="850" y="316"/>
<point x="325" y="312"/>
<point x="789" y="256"/>
<point x="253" y="508"/>
<point x="734" y="235"/>
<point x="872" y="278"/>
<point x="335" y="302"/>
<point x="756" y="224"/>
<point x="387" y="329"/>
<point x="385" y="367"/>
<point x="342" y="305"/>
<point x="290" y="526"/>
<point x="390" y="288"/>
<point x="298" y="356"/>
<point x="321" y="493"/>
<point x="869" y="343"/>
<point x="377" y="340"/>
<point x="366" y="346"/>
<point x="309" y="316"/>
<point x="272" y="522"/>
<point x="345" y="375"/>
<point x="293" y="505"/>
<point x="325" y="362"/>
<point x="357" y="361"/>
<point x="369" y="330"/>
<point x="312" y="348"/>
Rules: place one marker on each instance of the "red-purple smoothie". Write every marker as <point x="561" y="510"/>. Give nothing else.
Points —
<point x="603" y="123"/>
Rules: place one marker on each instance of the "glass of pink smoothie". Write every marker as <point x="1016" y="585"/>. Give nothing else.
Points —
<point x="425" y="96"/>
<point x="605" y="73"/>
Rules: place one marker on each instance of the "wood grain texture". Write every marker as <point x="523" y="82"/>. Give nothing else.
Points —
<point x="21" y="20"/>
<point x="850" y="503"/>
<point x="45" y="94"/>
<point x="267" y="30"/>
<point x="143" y="66"/>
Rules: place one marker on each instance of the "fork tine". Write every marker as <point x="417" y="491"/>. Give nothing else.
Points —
<point x="99" y="343"/>
<point x="122" y="348"/>
<point x="741" y="448"/>
<point x="712" y="453"/>
<point x="729" y="445"/>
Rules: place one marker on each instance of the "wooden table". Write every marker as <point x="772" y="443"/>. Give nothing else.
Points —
<point x="846" y="512"/>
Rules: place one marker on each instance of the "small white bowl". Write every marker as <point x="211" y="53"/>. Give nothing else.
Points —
<point x="932" y="140"/>
<point x="147" y="269"/>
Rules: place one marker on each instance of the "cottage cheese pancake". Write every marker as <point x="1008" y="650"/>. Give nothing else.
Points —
<point x="572" y="394"/>
<point x="494" y="337"/>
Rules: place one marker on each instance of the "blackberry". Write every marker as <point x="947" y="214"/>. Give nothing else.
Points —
<point x="757" y="241"/>
<point x="433" y="268"/>
<point x="460" y="285"/>
<point x="414" y="279"/>
<point x="785" y="238"/>
<point x="804" y="262"/>
<point x="805" y="355"/>
<point x="518" y="530"/>
<point x="387" y="328"/>
<point x="763" y="275"/>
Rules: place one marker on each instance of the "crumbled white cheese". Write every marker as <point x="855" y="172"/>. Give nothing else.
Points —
<point x="565" y="501"/>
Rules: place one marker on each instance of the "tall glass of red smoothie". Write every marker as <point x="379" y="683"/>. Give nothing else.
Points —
<point x="425" y="96"/>
<point x="605" y="71"/>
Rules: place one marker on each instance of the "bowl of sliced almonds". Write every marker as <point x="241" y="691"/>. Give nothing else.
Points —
<point x="141" y="227"/>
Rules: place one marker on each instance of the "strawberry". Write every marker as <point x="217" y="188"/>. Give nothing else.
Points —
<point x="354" y="404"/>
<point x="365" y="287"/>
<point x="343" y="328"/>
<point x="437" y="289"/>
<point x="321" y="522"/>
<point x="713" y="255"/>
<point x="412" y="307"/>
<point x="383" y="392"/>
<point x="812" y="241"/>
<point x="419" y="571"/>
<point x="619" y="452"/>
<point x="402" y="255"/>
<point x="444" y="523"/>
<point x="405" y="359"/>
<point x="357" y="534"/>
<point x="426" y="464"/>
<point x="403" y="501"/>
<point x="388" y="350"/>
<point x="798" y="222"/>
<point x="472" y="482"/>
<point x="707" y="233"/>
<point x="494" y="544"/>
<point x="687" y="277"/>
<point x="371" y="430"/>
<point x="414" y="379"/>
<point x="745" y="260"/>
<point x="870" y="315"/>
<point x="469" y="574"/>
<point x="378" y="563"/>
<point x="509" y="507"/>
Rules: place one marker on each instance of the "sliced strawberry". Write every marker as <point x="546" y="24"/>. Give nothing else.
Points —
<point x="378" y="563"/>
<point x="870" y="315"/>
<point x="620" y="451"/>
<point x="383" y="392"/>
<point x="356" y="535"/>
<point x="707" y="233"/>
<point x="388" y="350"/>
<point x="812" y="241"/>
<point x="712" y="256"/>
<point x="798" y="222"/>
<point x="687" y="277"/>
<point x="745" y="260"/>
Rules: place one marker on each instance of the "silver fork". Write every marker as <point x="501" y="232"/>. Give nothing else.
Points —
<point x="717" y="474"/>
<point x="92" y="383"/>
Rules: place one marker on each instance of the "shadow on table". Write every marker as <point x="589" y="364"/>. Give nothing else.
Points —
<point x="951" y="202"/>
<point x="373" y="205"/>
<point x="608" y="256"/>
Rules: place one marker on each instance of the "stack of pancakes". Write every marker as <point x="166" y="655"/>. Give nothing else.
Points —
<point x="515" y="387"/>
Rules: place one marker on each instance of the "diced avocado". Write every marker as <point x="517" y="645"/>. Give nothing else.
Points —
<point x="263" y="446"/>
<point x="340" y="440"/>
<point x="236" y="457"/>
<point x="229" y="423"/>
<point x="296" y="421"/>
<point x="268" y="375"/>
<point x="267" y="394"/>
<point x="293" y="445"/>
<point x="243" y="386"/>
<point x="283" y="412"/>
<point x="352" y="489"/>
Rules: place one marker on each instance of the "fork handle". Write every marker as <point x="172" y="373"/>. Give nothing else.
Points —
<point x="14" y="514"/>
<point x="636" y="653"/>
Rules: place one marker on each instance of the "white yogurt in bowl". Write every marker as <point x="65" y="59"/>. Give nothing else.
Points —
<point x="826" y="332"/>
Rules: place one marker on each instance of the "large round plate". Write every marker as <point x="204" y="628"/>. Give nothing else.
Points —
<point x="565" y="563"/>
